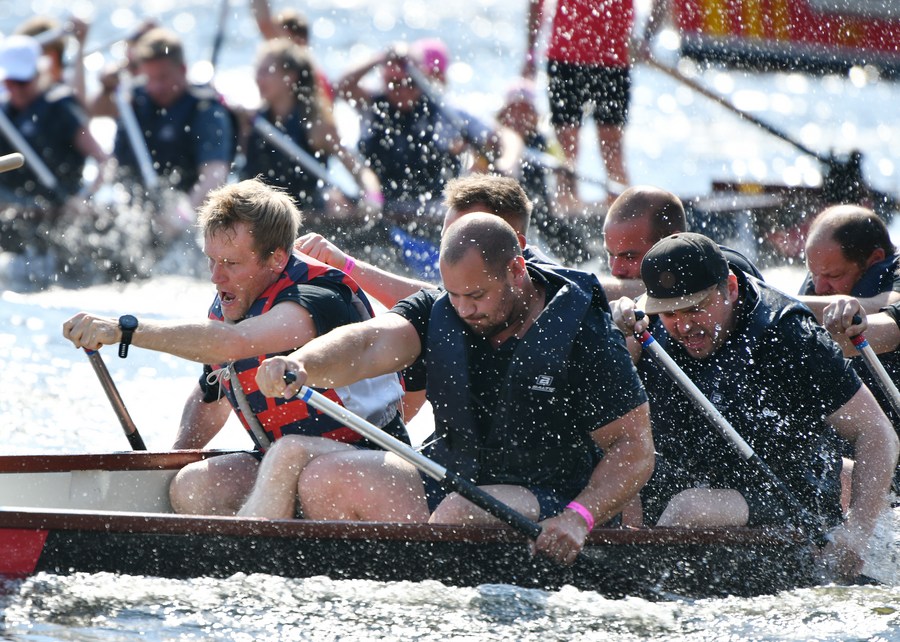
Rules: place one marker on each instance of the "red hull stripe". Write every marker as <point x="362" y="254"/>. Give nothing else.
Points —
<point x="20" y="550"/>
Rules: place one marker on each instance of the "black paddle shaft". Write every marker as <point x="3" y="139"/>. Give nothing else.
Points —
<point x="112" y="393"/>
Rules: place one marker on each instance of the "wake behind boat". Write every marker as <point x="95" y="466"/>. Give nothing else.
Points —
<point x="67" y="514"/>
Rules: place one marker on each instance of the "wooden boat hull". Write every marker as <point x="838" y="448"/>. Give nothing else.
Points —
<point x="652" y="563"/>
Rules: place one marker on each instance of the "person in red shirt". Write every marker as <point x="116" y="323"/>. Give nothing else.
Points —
<point x="589" y="63"/>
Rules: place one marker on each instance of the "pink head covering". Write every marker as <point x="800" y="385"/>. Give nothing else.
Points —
<point x="431" y="56"/>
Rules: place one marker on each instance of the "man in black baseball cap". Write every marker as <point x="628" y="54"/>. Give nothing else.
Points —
<point x="779" y="379"/>
<point x="689" y="282"/>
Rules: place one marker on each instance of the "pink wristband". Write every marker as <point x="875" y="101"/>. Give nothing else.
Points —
<point x="349" y="264"/>
<point x="584" y="512"/>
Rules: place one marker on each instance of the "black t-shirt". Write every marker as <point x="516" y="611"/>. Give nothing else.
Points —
<point x="776" y="391"/>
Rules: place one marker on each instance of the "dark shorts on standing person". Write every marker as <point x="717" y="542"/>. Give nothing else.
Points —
<point x="606" y="90"/>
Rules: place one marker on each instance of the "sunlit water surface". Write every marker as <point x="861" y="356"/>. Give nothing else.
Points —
<point x="52" y="402"/>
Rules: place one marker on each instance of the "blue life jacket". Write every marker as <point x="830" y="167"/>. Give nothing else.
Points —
<point x="541" y="448"/>
<point x="171" y="134"/>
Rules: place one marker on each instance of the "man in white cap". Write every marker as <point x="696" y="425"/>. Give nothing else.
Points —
<point x="47" y="125"/>
<point x="780" y="380"/>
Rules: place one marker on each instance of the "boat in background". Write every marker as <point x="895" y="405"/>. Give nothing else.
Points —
<point x="64" y="514"/>
<point x="810" y="35"/>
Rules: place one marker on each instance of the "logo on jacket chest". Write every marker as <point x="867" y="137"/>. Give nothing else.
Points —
<point x="543" y="383"/>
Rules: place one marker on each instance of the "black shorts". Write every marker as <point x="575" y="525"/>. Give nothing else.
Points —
<point x="766" y="507"/>
<point x="606" y="90"/>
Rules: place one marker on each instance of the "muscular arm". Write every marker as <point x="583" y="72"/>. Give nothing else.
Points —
<point x="626" y="466"/>
<point x="617" y="288"/>
<point x="387" y="288"/>
<point x="871" y="305"/>
<point x="286" y="326"/>
<point x="384" y="344"/>
<point x="200" y="422"/>
<point x="875" y="450"/>
<point x="883" y="334"/>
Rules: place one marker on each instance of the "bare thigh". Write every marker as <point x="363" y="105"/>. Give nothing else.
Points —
<point x="706" y="507"/>
<point x="455" y="509"/>
<point x="215" y="486"/>
<point x="367" y="485"/>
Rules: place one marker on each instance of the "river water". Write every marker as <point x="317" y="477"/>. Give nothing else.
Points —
<point x="52" y="402"/>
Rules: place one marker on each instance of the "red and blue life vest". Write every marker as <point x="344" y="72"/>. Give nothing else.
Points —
<point x="373" y="399"/>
